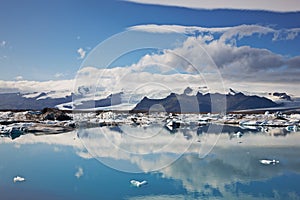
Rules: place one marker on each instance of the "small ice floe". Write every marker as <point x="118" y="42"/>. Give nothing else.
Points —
<point x="138" y="183"/>
<point x="292" y="128"/>
<point x="238" y="134"/>
<point x="268" y="162"/>
<point x="18" y="179"/>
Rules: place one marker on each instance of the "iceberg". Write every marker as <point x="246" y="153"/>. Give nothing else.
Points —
<point x="138" y="183"/>
<point x="18" y="179"/>
<point x="268" y="162"/>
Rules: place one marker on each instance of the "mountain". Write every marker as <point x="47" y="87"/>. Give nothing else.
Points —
<point x="204" y="103"/>
<point x="188" y="102"/>
<point x="39" y="101"/>
<point x="111" y="100"/>
<point x="18" y="101"/>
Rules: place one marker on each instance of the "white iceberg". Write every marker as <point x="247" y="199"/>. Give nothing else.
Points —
<point x="138" y="183"/>
<point x="268" y="162"/>
<point x="18" y="179"/>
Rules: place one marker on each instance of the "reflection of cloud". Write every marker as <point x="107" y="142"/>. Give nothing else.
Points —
<point x="227" y="195"/>
<point x="56" y="149"/>
<point x="65" y="139"/>
<point x="79" y="172"/>
<point x="227" y="164"/>
<point x="158" y="197"/>
<point x="268" y="5"/>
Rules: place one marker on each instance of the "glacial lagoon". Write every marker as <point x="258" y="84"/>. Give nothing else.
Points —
<point x="199" y="162"/>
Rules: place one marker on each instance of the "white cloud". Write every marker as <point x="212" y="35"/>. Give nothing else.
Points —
<point x="81" y="53"/>
<point x="237" y="64"/>
<point x="19" y="78"/>
<point x="268" y="5"/>
<point x="286" y="34"/>
<point x="3" y="43"/>
<point x="61" y="87"/>
<point x="191" y="63"/>
<point x="79" y="172"/>
<point x="174" y="28"/>
<point x="59" y="75"/>
<point x="228" y="33"/>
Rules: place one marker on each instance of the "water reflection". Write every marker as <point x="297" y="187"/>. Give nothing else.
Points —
<point x="232" y="163"/>
<point x="231" y="170"/>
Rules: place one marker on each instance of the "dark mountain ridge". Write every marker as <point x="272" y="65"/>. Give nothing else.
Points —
<point x="216" y="102"/>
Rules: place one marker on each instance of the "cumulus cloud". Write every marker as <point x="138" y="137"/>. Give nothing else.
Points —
<point x="235" y="62"/>
<point x="268" y="5"/>
<point x="81" y="53"/>
<point x="243" y="58"/>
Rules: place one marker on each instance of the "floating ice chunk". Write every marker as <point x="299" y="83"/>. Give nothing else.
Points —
<point x="238" y="134"/>
<point x="138" y="183"/>
<point x="18" y="179"/>
<point x="268" y="162"/>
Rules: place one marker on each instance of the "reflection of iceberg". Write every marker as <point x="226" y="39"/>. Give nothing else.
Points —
<point x="13" y="132"/>
<point x="18" y="179"/>
<point x="138" y="183"/>
<point x="227" y="166"/>
<point x="172" y="124"/>
<point x="236" y="135"/>
<point x="293" y="128"/>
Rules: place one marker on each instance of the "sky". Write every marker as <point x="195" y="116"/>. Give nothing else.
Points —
<point x="251" y="46"/>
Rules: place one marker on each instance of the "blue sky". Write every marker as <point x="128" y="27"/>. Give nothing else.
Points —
<point x="40" y="39"/>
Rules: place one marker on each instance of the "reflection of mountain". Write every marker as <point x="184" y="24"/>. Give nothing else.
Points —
<point x="205" y="103"/>
<point x="228" y="170"/>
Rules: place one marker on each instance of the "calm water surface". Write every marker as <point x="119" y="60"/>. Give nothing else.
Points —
<point x="189" y="163"/>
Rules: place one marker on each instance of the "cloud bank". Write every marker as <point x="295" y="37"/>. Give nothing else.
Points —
<point x="211" y="57"/>
<point x="267" y="5"/>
